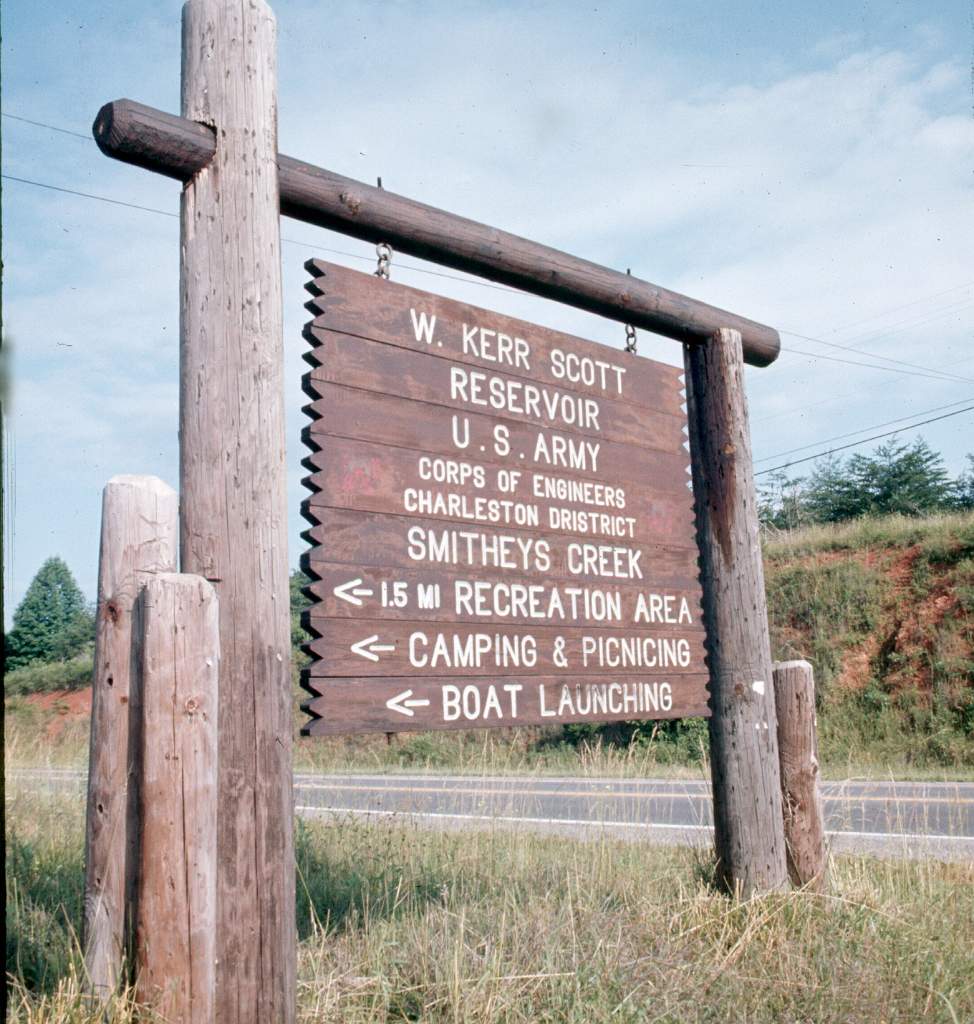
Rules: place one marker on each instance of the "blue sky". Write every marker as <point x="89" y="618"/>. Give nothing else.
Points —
<point x="808" y="165"/>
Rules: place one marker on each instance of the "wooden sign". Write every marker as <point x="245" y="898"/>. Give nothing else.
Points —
<point x="502" y="522"/>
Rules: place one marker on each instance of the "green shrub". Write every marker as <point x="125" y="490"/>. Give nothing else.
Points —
<point x="819" y="611"/>
<point x="45" y="677"/>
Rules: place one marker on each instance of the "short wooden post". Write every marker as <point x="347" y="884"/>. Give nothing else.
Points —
<point x="175" y="937"/>
<point x="743" y="732"/>
<point x="139" y="537"/>
<point x="233" y="488"/>
<point x="804" y="816"/>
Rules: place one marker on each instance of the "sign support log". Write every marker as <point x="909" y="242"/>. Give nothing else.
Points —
<point x="794" y="693"/>
<point x="139" y="531"/>
<point x="233" y="489"/>
<point x="175" y="934"/>
<point x="743" y="728"/>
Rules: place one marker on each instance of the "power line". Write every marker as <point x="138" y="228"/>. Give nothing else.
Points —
<point x="935" y="375"/>
<point x="865" y="440"/>
<point x="853" y="348"/>
<point x="89" y="195"/>
<point x="852" y="433"/>
<point x="873" y="366"/>
<point x="53" y="128"/>
<point x="905" y="305"/>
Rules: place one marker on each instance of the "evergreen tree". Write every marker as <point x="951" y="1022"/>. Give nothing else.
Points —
<point x="908" y="479"/>
<point x="53" y="622"/>
<point x="831" y="494"/>
<point x="964" y="486"/>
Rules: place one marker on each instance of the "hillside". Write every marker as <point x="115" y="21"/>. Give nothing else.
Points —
<point x="883" y="608"/>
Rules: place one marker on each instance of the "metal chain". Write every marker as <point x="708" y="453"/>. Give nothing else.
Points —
<point x="384" y="251"/>
<point x="630" y="330"/>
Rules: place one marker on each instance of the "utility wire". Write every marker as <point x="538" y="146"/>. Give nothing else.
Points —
<point x="53" y="128"/>
<point x="853" y="348"/>
<point x="862" y="430"/>
<point x="484" y="284"/>
<point x="936" y="375"/>
<point x="865" y="440"/>
<point x="89" y="195"/>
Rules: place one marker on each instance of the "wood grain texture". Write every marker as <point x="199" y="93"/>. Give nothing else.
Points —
<point x="389" y="370"/>
<point x="380" y="478"/>
<point x="139" y="538"/>
<point x="176" y="932"/>
<point x="348" y="302"/>
<point x="392" y="420"/>
<point x="143" y="136"/>
<point x="361" y="539"/>
<point x="743" y="730"/>
<point x="801" y="792"/>
<point x="462" y="702"/>
<point x="508" y="650"/>
<point x="341" y="591"/>
<point x="233" y="488"/>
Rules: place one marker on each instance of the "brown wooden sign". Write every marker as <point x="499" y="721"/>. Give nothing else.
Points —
<point x="502" y="522"/>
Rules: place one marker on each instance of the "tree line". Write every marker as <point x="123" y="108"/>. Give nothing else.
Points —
<point x="895" y="479"/>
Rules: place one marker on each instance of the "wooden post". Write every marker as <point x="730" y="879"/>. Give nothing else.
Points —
<point x="233" y="529"/>
<point x="175" y="939"/>
<point x="743" y="731"/>
<point x="804" y="817"/>
<point x="139" y="530"/>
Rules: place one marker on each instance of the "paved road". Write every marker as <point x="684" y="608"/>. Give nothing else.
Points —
<point x="887" y="818"/>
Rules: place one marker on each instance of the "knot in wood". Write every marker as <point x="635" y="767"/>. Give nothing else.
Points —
<point x="112" y="611"/>
<point x="729" y="449"/>
<point x="191" y="706"/>
<point x="352" y="201"/>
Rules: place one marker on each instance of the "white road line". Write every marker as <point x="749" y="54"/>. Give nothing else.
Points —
<point x="646" y="825"/>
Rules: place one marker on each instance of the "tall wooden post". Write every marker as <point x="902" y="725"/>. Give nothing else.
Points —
<point x="233" y="488"/>
<point x="139" y="529"/>
<point x="175" y="936"/>
<point x="801" y="792"/>
<point x="743" y="729"/>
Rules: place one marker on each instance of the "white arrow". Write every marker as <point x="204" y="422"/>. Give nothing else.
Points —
<point x="352" y="592"/>
<point x="403" y="704"/>
<point x="366" y="648"/>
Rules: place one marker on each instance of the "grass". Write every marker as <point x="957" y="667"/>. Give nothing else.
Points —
<point x="946" y="534"/>
<point x="398" y="924"/>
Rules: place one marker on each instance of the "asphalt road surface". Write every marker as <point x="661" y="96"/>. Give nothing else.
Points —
<point x="919" y="819"/>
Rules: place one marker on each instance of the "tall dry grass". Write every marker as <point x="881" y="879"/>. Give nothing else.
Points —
<point x="399" y="924"/>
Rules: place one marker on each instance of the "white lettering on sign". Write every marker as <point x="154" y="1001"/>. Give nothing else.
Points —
<point x="557" y="450"/>
<point x="462" y="506"/>
<point x="635" y="652"/>
<point x="450" y="471"/>
<point x="586" y="370"/>
<point x="661" y="608"/>
<point x="423" y="326"/>
<point x="514" y="396"/>
<point x="475" y="650"/>
<point x="573" y="521"/>
<point x="581" y="492"/>
<point x="604" y="560"/>
<point x="620" y="699"/>
<point x="495" y="347"/>
<point x="468" y="702"/>
<point x="467" y="547"/>
<point x="483" y="598"/>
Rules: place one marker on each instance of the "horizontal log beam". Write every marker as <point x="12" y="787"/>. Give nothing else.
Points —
<point x="179" y="148"/>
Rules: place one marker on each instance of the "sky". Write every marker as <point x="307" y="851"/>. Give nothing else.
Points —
<point x="806" y="165"/>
